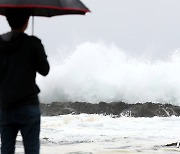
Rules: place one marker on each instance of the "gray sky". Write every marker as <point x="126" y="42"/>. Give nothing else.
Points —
<point x="138" y="27"/>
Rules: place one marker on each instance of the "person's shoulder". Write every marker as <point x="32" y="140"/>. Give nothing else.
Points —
<point x="33" y="39"/>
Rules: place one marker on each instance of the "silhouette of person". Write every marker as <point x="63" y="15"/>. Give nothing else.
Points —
<point x="21" y="57"/>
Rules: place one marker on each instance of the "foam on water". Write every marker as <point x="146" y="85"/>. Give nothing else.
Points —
<point x="91" y="128"/>
<point x="94" y="72"/>
<point x="105" y="132"/>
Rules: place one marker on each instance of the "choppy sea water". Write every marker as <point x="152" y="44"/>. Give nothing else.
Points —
<point x="99" y="134"/>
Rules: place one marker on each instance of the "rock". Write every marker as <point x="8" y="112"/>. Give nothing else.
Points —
<point x="171" y="144"/>
<point x="148" y="109"/>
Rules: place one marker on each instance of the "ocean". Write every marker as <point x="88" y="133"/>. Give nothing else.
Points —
<point x="99" y="134"/>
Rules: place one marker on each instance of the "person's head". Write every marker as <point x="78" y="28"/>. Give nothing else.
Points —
<point x="18" y="18"/>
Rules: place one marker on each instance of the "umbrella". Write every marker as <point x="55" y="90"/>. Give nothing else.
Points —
<point x="45" y="8"/>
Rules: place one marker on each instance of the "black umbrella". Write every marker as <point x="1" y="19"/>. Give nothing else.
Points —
<point x="45" y="8"/>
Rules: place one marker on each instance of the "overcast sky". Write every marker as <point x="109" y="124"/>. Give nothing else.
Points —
<point x="136" y="26"/>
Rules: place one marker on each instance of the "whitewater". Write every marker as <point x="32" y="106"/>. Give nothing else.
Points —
<point x="94" y="72"/>
<point x="99" y="134"/>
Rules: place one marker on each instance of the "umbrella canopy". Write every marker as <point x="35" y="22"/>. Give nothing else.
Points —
<point x="46" y="8"/>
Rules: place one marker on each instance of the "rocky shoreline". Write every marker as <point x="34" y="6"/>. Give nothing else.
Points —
<point x="115" y="109"/>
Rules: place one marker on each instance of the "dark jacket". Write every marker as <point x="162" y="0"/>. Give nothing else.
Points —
<point x="21" y="56"/>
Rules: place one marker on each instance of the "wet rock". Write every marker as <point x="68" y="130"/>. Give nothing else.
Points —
<point x="148" y="109"/>
<point x="171" y="144"/>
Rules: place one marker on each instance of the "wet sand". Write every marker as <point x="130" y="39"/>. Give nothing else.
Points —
<point x="105" y="148"/>
<point x="101" y="148"/>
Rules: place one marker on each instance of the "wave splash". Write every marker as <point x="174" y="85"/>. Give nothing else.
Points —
<point x="95" y="72"/>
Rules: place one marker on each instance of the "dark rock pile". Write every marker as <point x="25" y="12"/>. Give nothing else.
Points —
<point x="148" y="109"/>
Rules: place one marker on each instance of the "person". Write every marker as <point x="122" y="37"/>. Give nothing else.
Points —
<point x="21" y="57"/>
